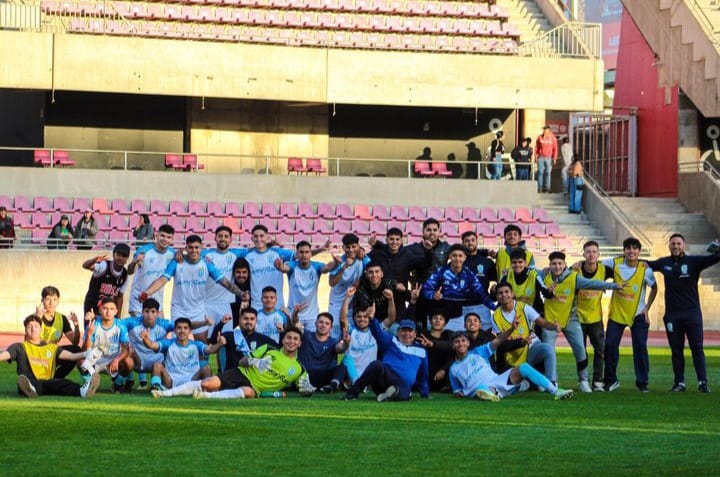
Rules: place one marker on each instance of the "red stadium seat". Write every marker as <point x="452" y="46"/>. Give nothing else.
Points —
<point x="42" y="157"/>
<point x="362" y="211"/>
<point x="295" y="164"/>
<point x="315" y="165"/>
<point x="99" y="205"/>
<point x="440" y="169"/>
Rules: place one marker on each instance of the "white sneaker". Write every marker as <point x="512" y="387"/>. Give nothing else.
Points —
<point x="524" y="386"/>
<point x="613" y="386"/>
<point x="26" y="387"/>
<point x="90" y="387"/>
<point x="156" y="393"/>
<point x="584" y="387"/>
<point x="485" y="395"/>
<point x="599" y="387"/>
<point x="389" y="394"/>
<point x="198" y="394"/>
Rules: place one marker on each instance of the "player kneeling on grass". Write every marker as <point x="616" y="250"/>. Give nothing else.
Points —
<point x="108" y="341"/>
<point x="182" y="358"/>
<point x="471" y="375"/>
<point x="36" y="365"/>
<point x="263" y="370"/>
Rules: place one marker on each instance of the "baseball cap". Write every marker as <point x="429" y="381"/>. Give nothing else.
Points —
<point x="407" y="324"/>
<point x="122" y="249"/>
<point x="470" y="144"/>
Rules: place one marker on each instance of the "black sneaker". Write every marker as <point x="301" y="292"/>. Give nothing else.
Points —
<point x="703" y="387"/>
<point x="678" y="388"/>
<point x="329" y="388"/>
<point x="643" y="388"/>
<point x="129" y="386"/>
<point x="349" y="397"/>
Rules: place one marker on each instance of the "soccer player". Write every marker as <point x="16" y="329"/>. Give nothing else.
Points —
<point x="183" y="358"/>
<point x="628" y="308"/>
<point x="526" y="283"/>
<point x="271" y="320"/>
<point x="109" y="279"/>
<point x="560" y="309"/>
<point x="319" y="355"/>
<point x="589" y="309"/>
<point x="149" y="263"/>
<point x="242" y="340"/>
<point x="452" y="286"/>
<point x="263" y="370"/>
<point x="108" y="341"/>
<point x="374" y="289"/>
<point x="363" y="348"/>
<point x="142" y="359"/>
<point x="404" y="365"/>
<point x="513" y="239"/>
<point x="36" y="365"/>
<point x="189" y="290"/>
<point x="55" y="325"/>
<point x="437" y="341"/>
<point x="303" y="280"/>
<point x="683" y="316"/>
<point x="527" y="347"/>
<point x="478" y="262"/>
<point x="475" y="377"/>
<point x="344" y="276"/>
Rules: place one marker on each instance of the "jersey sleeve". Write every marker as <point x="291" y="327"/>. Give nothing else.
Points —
<point x="167" y="325"/>
<point x="318" y="267"/>
<point x="15" y="350"/>
<point x="129" y="323"/>
<point x="123" y="288"/>
<point x="100" y="268"/>
<point x="170" y="269"/>
<point x="339" y="268"/>
<point x="649" y="277"/>
<point x="531" y="314"/>
<point x="214" y="273"/>
<point x="164" y="345"/>
<point x="292" y="264"/>
<point x="201" y="347"/>
<point x="484" y="351"/>
<point x="141" y="250"/>
<point x="284" y="253"/>
<point x="124" y="337"/>
<point x="239" y="252"/>
<point x="609" y="263"/>
<point x="455" y="385"/>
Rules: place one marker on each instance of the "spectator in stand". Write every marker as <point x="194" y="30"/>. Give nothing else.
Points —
<point x="7" y="229"/>
<point x="522" y="155"/>
<point x="143" y="231"/>
<point x="577" y="185"/>
<point x="497" y="149"/>
<point x="85" y="231"/>
<point x="454" y="167"/>
<point x="425" y="156"/>
<point x="546" y="152"/>
<point x="473" y="155"/>
<point x="566" y="151"/>
<point x="61" y="234"/>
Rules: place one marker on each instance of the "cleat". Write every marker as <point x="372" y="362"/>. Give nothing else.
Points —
<point x="678" y="388"/>
<point x="26" y="387"/>
<point x="390" y="393"/>
<point x="485" y="395"/>
<point x="598" y="387"/>
<point x="524" y="386"/>
<point x="613" y="386"/>
<point x="643" y="388"/>
<point x="198" y="394"/>
<point x="349" y="397"/>
<point x="156" y="393"/>
<point x="128" y="386"/>
<point x="90" y="387"/>
<point x="703" y="387"/>
<point x="142" y="386"/>
<point x="329" y="388"/>
<point x="584" y="387"/>
<point x="157" y="387"/>
<point x="563" y="394"/>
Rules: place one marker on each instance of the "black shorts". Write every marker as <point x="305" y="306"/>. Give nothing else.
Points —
<point x="233" y="379"/>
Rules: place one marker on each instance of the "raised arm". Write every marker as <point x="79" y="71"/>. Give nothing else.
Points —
<point x="338" y="273"/>
<point x="501" y="337"/>
<point x="281" y="266"/>
<point x="214" y="348"/>
<point x="154" y="287"/>
<point x="344" y="322"/>
<point x="583" y="283"/>
<point x="136" y="262"/>
<point x="90" y="263"/>
<point x="392" y="311"/>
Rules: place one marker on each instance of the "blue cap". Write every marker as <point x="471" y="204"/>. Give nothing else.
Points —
<point x="407" y="324"/>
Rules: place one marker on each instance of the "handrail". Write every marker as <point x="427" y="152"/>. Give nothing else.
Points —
<point x="622" y="216"/>
<point x="704" y="21"/>
<point x="571" y="39"/>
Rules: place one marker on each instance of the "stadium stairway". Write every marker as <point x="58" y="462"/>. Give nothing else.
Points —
<point x="527" y="16"/>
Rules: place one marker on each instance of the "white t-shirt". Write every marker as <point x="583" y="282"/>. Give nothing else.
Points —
<point x="152" y="267"/>
<point x="363" y="349"/>
<point x="263" y="272"/>
<point x="303" y="284"/>
<point x="190" y="288"/>
<point x="626" y="273"/>
<point x="223" y="261"/>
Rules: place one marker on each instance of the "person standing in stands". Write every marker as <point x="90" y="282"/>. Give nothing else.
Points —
<point x="7" y="229"/>
<point x="497" y="149"/>
<point x="546" y="151"/>
<point x="85" y="231"/>
<point x="522" y="156"/>
<point x="577" y="185"/>
<point x="473" y="155"/>
<point x="566" y="151"/>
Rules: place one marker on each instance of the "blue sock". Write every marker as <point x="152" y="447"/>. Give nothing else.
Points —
<point x="129" y="377"/>
<point x="142" y="377"/>
<point x="535" y="377"/>
<point x="155" y="380"/>
<point x="119" y="380"/>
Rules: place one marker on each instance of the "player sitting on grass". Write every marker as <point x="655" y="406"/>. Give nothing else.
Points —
<point x="108" y="341"/>
<point x="182" y="357"/>
<point x="36" y="365"/>
<point x="319" y="354"/>
<point x="471" y="375"/>
<point x="263" y="370"/>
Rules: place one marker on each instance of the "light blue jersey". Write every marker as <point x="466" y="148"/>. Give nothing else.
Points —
<point x="190" y="288"/>
<point x="223" y="261"/>
<point x="267" y="323"/>
<point x="473" y="372"/>
<point x="108" y="340"/>
<point x="153" y="267"/>
<point x="362" y="351"/>
<point x="303" y="284"/>
<point x="182" y="362"/>
<point x="135" y="326"/>
<point x="264" y="274"/>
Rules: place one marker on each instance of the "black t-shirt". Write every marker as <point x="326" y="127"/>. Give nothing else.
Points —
<point x="681" y="279"/>
<point x="66" y="326"/>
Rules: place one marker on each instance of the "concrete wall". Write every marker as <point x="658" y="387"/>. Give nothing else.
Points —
<point x="699" y="192"/>
<point x="238" y="70"/>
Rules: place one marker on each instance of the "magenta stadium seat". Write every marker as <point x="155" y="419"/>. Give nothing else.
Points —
<point x="451" y="230"/>
<point x="307" y="210"/>
<point x="7" y="202"/>
<point x="138" y="206"/>
<point x="190" y="161"/>
<point x="485" y="230"/>
<point x="318" y="240"/>
<point x="247" y="224"/>
<point x="101" y="206"/>
<point x="270" y="224"/>
<point x="55" y="218"/>
<point x="326" y="210"/>
<point x="295" y="164"/>
<point x="22" y="204"/>
<point x="197" y="208"/>
<point x="40" y="219"/>
<point x="62" y="158"/>
<point x="489" y="215"/>
<point x="414" y="229"/>
<point x="252" y="209"/>
<point x="362" y="211"/>
<point x="233" y="209"/>
<point x="541" y="215"/>
<point x="232" y="222"/>
<point x="38" y="236"/>
<point x="288" y="210"/>
<point x="440" y="169"/>
<point x="564" y="244"/>
<point x="178" y="208"/>
<point x="453" y="214"/>
<point x="120" y="206"/>
<point x="537" y="230"/>
<point x="62" y="204"/>
<point x="378" y="227"/>
<point x="103" y="222"/>
<point x="553" y="229"/>
<point x="465" y="227"/>
<point x="173" y="161"/>
<point x="506" y="215"/>
<point x="81" y="204"/>
<point x="321" y="226"/>
<point x="117" y="236"/>
<point x="422" y="168"/>
<point x="546" y="244"/>
<point x="22" y="220"/>
<point x="524" y="215"/>
<point x="436" y="213"/>
<point x="216" y="209"/>
<point x="344" y="211"/>
<point x="208" y="238"/>
<point x="315" y="165"/>
<point x="360" y="227"/>
<point x="212" y="223"/>
<point x="304" y="226"/>
<point x="178" y="223"/>
<point x="270" y="210"/>
<point x="195" y="225"/>
<point x="43" y="204"/>
<point x="399" y="213"/>
<point x="286" y="226"/>
<point x="159" y="207"/>
<point x="119" y="222"/>
<point x="417" y="213"/>
<point x="471" y="214"/>
<point x="42" y="157"/>
<point x="381" y="212"/>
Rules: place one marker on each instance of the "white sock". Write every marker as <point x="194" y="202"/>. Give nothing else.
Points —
<point x="182" y="390"/>
<point x="227" y="394"/>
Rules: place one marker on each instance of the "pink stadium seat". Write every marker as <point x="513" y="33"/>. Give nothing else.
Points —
<point x="22" y="204"/>
<point x="216" y="209"/>
<point x="537" y="230"/>
<point x="22" y="220"/>
<point x="117" y="236"/>
<point x="270" y="210"/>
<point x="119" y="222"/>
<point x="288" y="210"/>
<point x="417" y="213"/>
<point x="295" y="164"/>
<point x="233" y="209"/>
<point x="38" y="236"/>
<point x="506" y="215"/>
<point x="564" y="243"/>
<point x="270" y="224"/>
<point x="360" y="227"/>
<point x="440" y="169"/>
<point x="247" y="224"/>
<point x="451" y="230"/>
<point x="489" y="215"/>
<point x="326" y="211"/>
<point x="103" y="222"/>
<point x="197" y="208"/>
<point x="322" y="226"/>
<point x="232" y="223"/>
<point x="208" y="238"/>
<point x="413" y="229"/>
<point x="435" y="212"/>
<point x="546" y="243"/>
<point x="471" y="214"/>
<point x="381" y="212"/>
<point x="395" y="24"/>
<point x="81" y="204"/>
<point x="178" y="208"/>
<point x="195" y="225"/>
<point x="304" y="226"/>
<point x="318" y="240"/>
<point x="211" y="223"/>
<point x="159" y="207"/>
<point x="453" y="214"/>
<point x="344" y="211"/>
<point x="62" y="158"/>
<point x="40" y="219"/>
<point x="428" y="25"/>
<point x="62" y="204"/>
<point x="485" y="230"/>
<point x="138" y="206"/>
<point x="120" y="206"/>
<point x="7" y="202"/>
<point x="43" y="204"/>
<point x="541" y="215"/>
<point x="178" y="223"/>
<point x="422" y="168"/>
<point x="378" y="227"/>
<point x="190" y="161"/>
<point x="286" y="226"/>
<point x="99" y="205"/>
<point x="315" y="165"/>
<point x="306" y="210"/>
<point x="42" y="157"/>
<point x="465" y="227"/>
<point x="399" y="213"/>
<point x="362" y="211"/>
<point x="252" y="209"/>
<point x="553" y="229"/>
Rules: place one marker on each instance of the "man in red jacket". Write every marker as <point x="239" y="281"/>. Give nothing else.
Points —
<point x="546" y="152"/>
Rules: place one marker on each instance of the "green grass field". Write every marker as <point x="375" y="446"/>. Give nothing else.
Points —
<point x="617" y="434"/>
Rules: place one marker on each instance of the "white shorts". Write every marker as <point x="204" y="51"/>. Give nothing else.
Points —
<point x="147" y="362"/>
<point x="102" y="364"/>
<point x="216" y="312"/>
<point x="180" y="379"/>
<point x="502" y="385"/>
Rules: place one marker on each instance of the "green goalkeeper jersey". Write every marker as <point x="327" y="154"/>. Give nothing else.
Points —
<point x="283" y="371"/>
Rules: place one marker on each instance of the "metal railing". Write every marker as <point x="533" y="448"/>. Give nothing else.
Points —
<point x="701" y="166"/>
<point x="569" y="40"/>
<point x="620" y="215"/>
<point x="20" y="17"/>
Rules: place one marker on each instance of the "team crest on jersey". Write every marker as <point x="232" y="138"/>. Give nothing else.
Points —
<point x="528" y="292"/>
<point x="480" y="269"/>
<point x="684" y="269"/>
<point x="201" y="274"/>
<point x="151" y="260"/>
<point x="635" y="288"/>
<point x="521" y="330"/>
<point x="48" y="354"/>
<point x="291" y="371"/>
<point x="473" y="361"/>
<point x="566" y="291"/>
